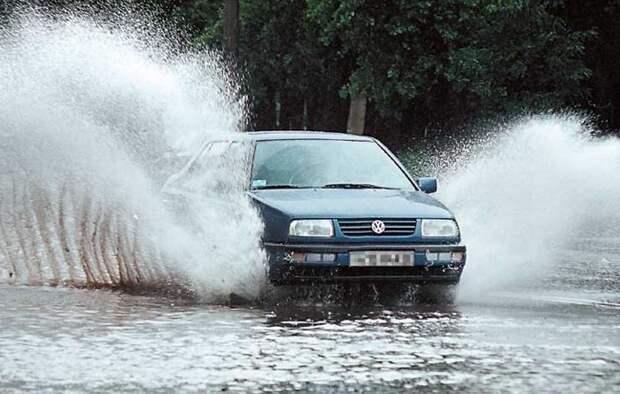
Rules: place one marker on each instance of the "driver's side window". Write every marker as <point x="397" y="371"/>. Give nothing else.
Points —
<point x="219" y="168"/>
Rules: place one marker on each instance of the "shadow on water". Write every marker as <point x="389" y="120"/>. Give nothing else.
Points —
<point x="305" y="314"/>
<point x="350" y="298"/>
<point x="354" y="294"/>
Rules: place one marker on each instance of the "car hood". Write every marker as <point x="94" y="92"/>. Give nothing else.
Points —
<point x="348" y="203"/>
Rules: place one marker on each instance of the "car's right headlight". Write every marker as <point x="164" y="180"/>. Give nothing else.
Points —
<point x="311" y="228"/>
<point x="439" y="228"/>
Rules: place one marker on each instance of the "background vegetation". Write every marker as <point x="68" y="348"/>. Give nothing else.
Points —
<point x="414" y="68"/>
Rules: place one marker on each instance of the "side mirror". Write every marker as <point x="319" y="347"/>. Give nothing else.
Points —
<point x="427" y="184"/>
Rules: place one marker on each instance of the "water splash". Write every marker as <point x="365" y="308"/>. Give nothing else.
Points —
<point x="525" y="193"/>
<point x="93" y="119"/>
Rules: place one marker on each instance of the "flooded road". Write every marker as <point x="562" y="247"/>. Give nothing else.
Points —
<point x="562" y="334"/>
<point x="88" y="141"/>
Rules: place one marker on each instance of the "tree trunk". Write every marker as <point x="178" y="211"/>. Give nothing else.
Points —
<point x="278" y="108"/>
<point x="231" y="26"/>
<point x="357" y="115"/>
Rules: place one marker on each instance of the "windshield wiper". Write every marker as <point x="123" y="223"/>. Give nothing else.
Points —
<point x="354" y="186"/>
<point x="279" y="186"/>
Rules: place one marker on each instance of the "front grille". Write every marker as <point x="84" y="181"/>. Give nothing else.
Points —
<point x="363" y="227"/>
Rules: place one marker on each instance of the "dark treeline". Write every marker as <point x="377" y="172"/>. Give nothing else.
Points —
<point x="405" y="69"/>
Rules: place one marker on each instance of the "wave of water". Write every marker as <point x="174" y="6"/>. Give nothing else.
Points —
<point x="93" y="118"/>
<point x="527" y="192"/>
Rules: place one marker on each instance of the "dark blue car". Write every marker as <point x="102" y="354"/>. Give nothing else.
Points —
<point x="342" y="208"/>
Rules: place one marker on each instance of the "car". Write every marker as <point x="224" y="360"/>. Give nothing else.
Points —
<point x="341" y="208"/>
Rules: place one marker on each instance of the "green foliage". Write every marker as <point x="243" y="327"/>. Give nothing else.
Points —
<point x="206" y="16"/>
<point x="482" y="56"/>
<point x="284" y="63"/>
<point x="602" y="55"/>
<point x="421" y="63"/>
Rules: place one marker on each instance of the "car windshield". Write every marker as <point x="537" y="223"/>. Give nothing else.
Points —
<point x="325" y="163"/>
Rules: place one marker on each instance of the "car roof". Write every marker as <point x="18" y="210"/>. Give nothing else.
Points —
<point x="294" y="135"/>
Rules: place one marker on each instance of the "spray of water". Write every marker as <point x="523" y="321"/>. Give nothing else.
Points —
<point x="93" y="119"/>
<point x="525" y="193"/>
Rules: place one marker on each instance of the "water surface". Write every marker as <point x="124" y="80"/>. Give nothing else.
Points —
<point x="560" y="335"/>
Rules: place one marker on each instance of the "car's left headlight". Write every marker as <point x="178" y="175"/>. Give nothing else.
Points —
<point x="311" y="228"/>
<point x="439" y="228"/>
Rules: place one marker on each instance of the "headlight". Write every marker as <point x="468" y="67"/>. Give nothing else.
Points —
<point x="439" y="228"/>
<point x="311" y="228"/>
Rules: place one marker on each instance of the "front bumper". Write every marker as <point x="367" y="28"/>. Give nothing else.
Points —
<point x="285" y="269"/>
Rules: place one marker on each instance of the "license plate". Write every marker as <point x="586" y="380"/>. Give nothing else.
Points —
<point x="382" y="259"/>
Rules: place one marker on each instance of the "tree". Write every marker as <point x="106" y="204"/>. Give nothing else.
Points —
<point x="603" y="54"/>
<point x="422" y="61"/>
<point x="356" y="122"/>
<point x="231" y="26"/>
<point x="292" y="78"/>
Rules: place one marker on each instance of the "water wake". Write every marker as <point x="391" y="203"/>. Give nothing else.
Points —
<point x="523" y="195"/>
<point x="93" y="119"/>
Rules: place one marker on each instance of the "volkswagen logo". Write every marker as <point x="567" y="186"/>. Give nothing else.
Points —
<point x="378" y="227"/>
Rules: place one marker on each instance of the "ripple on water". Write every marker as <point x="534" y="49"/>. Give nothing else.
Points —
<point x="68" y="339"/>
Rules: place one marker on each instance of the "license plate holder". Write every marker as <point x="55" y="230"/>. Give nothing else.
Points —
<point x="382" y="258"/>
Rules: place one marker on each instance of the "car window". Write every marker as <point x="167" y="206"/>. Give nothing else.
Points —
<point x="210" y="154"/>
<point x="219" y="167"/>
<point x="317" y="163"/>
